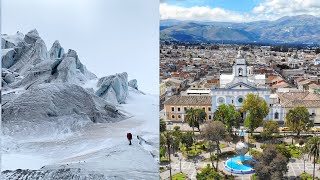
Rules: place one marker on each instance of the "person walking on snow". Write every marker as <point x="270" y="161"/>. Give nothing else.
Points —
<point x="129" y="137"/>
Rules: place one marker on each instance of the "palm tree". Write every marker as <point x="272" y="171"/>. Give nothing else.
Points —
<point x="166" y="140"/>
<point x="195" y="117"/>
<point x="191" y="118"/>
<point x="313" y="149"/>
<point x="201" y="117"/>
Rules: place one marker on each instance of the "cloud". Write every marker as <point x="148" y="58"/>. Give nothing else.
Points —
<point x="200" y="13"/>
<point x="278" y="8"/>
<point x="267" y="10"/>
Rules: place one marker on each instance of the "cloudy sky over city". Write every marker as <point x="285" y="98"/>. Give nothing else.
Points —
<point x="236" y="10"/>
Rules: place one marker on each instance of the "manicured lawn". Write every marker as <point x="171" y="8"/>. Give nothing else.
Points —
<point x="179" y="176"/>
<point x="222" y="146"/>
<point x="305" y="176"/>
<point x="294" y="151"/>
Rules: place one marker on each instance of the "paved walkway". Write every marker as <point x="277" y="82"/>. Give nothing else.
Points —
<point x="191" y="168"/>
<point x="295" y="166"/>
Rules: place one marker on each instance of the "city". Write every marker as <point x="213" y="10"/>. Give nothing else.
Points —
<point x="269" y="93"/>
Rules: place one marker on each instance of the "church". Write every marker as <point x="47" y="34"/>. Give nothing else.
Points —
<point x="235" y="87"/>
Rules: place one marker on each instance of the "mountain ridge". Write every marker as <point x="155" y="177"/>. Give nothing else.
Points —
<point x="287" y="29"/>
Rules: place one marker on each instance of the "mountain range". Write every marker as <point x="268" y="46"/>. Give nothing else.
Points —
<point x="288" y="29"/>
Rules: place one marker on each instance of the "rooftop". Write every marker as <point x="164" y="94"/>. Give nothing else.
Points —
<point x="199" y="100"/>
<point x="295" y="99"/>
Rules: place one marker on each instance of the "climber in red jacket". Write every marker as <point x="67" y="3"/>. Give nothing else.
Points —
<point x="129" y="137"/>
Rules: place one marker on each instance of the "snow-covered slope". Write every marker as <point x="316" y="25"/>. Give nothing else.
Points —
<point x="99" y="149"/>
<point x="61" y="122"/>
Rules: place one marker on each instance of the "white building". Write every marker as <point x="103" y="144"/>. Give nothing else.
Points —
<point x="242" y="70"/>
<point x="235" y="91"/>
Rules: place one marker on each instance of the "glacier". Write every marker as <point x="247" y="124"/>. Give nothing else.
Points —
<point x="113" y="86"/>
<point x="60" y="121"/>
<point x="133" y="83"/>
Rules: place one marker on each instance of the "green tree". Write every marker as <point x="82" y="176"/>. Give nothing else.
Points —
<point x="176" y="128"/>
<point x="201" y="117"/>
<point x="313" y="149"/>
<point x="162" y="125"/>
<point x="271" y="164"/>
<point x="228" y="115"/>
<point x="208" y="173"/>
<point x="297" y="119"/>
<point x="214" y="132"/>
<point x="257" y="108"/>
<point x="282" y="149"/>
<point x="195" y="117"/>
<point x="166" y="142"/>
<point x="187" y="140"/>
<point x="177" y="138"/>
<point x="270" y="127"/>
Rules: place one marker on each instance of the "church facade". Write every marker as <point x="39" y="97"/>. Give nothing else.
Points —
<point x="242" y="83"/>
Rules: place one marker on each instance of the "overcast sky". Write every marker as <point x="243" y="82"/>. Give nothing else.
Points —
<point x="236" y="10"/>
<point x="110" y="36"/>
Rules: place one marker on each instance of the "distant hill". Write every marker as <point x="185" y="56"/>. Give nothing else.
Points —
<point x="288" y="29"/>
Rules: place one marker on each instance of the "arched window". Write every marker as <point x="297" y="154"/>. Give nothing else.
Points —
<point x="240" y="71"/>
<point x="276" y="115"/>
<point x="173" y="116"/>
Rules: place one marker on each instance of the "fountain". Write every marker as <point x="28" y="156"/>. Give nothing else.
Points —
<point x="240" y="164"/>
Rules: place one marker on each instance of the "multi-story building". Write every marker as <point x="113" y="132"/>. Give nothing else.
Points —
<point x="289" y="100"/>
<point x="176" y="106"/>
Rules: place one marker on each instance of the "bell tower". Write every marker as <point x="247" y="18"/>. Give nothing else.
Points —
<point x="240" y="66"/>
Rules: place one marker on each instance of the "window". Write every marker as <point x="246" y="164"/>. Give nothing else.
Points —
<point x="172" y="116"/>
<point x="179" y="116"/>
<point x="240" y="71"/>
<point x="276" y="115"/>
<point x="204" y="108"/>
<point x="185" y="108"/>
<point x="210" y="117"/>
<point x="240" y="100"/>
<point x="172" y="109"/>
<point x="220" y="100"/>
<point x="178" y="109"/>
<point x="209" y="108"/>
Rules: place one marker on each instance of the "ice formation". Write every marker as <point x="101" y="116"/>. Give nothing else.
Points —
<point x="60" y="120"/>
<point x="113" y="88"/>
<point x="133" y="83"/>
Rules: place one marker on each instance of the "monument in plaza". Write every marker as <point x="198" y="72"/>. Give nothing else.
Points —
<point x="240" y="164"/>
